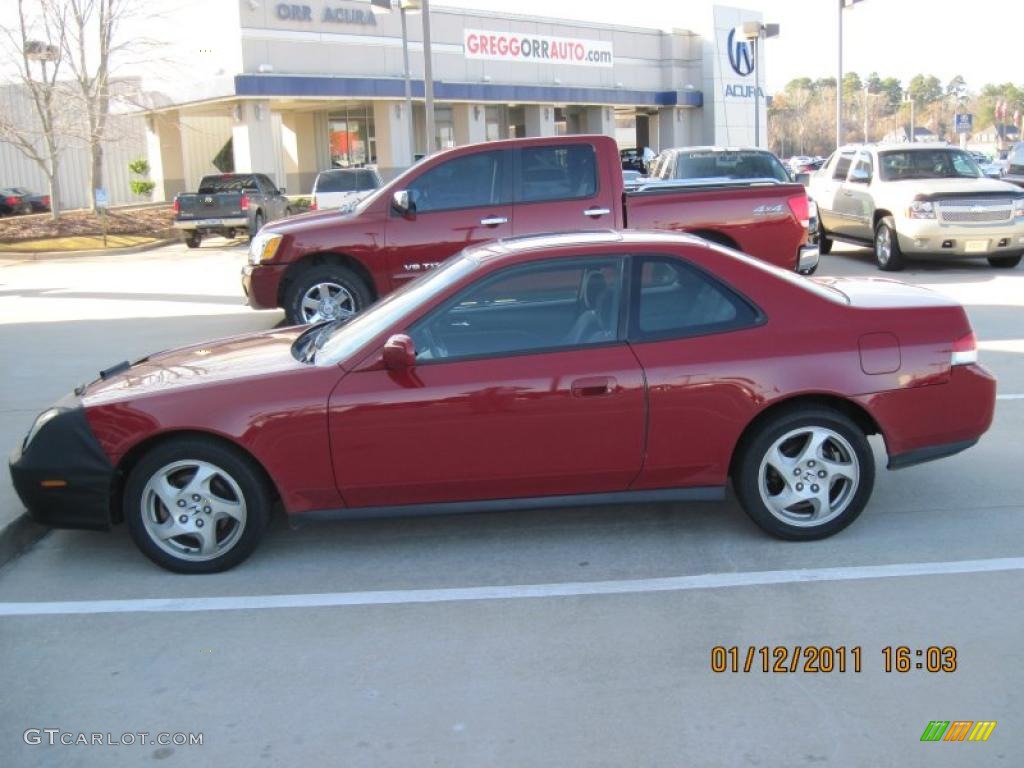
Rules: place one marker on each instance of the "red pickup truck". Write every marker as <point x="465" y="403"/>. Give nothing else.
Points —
<point x="331" y="264"/>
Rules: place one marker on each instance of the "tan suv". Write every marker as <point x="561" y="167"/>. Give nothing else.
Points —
<point x="917" y="200"/>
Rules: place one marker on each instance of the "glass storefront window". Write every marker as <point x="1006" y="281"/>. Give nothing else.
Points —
<point x="352" y="137"/>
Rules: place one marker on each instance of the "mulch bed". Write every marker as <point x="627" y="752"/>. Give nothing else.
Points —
<point x="152" y="221"/>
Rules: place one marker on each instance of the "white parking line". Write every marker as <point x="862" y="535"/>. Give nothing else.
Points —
<point x="514" y="592"/>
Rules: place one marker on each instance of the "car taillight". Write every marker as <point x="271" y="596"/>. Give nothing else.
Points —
<point x="965" y="350"/>
<point x="798" y="205"/>
<point x="46" y="200"/>
<point x="13" y="200"/>
<point x="312" y="206"/>
<point x="244" y="202"/>
<point x="175" y="205"/>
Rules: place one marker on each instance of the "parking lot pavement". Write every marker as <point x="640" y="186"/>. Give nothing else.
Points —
<point x="396" y="671"/>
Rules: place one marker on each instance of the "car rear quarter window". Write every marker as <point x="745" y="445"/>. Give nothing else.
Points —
<point x="557" y="173"/>
<point x="842" y="166"/>
<point x="673" y="299"/>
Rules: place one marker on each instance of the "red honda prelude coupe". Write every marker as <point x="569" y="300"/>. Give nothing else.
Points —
<point x="547" y="371"/>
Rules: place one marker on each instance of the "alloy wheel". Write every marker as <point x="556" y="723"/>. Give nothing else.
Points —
<point x="327" y="301"/>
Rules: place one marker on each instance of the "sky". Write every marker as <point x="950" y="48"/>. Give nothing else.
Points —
<point x="898" y="38"/>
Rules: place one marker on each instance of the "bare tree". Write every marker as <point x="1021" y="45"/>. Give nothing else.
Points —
<point x="91" y="45"/>
<point x="41" y="140"/>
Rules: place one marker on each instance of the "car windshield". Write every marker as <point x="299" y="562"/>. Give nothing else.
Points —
<point x="729" y="165"/>
<point x="898" y="165"/>
<point x="343" y="340"/>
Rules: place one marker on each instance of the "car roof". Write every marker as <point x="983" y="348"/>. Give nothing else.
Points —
<point x="712" y="148"/>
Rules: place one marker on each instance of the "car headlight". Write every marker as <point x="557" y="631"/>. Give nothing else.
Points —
<point x="921" y="209"/>
<point x="1018" y="208"/>
<point x="41" y="421"/>
<point x="263" y="247"/>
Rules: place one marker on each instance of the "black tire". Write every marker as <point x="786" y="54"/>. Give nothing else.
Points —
<point x="794" y="524"/>
<point x="1004" y="262"/>
<point x="193" y="238"/>
<point x="257" y="224"/>
<point x="894" y="262"/>
<point x="306" y="280"/>
<point x="824" y="241"/>
<point x="255" y="490"/>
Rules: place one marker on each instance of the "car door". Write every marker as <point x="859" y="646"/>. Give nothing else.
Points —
<point x="275" y="203"/>
<point x="857" y="204"/>
<point x="826" y="188"/>
<point x="559" y="188"/>
<point x="455" y="204"/>
<point x="523" y="387"/>
<point x="696" y="339"/>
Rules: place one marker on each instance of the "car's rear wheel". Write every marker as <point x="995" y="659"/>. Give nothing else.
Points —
<point x="888" y="255"/>
<point x="327" y="292"/>
<point x="196" y="506"/>
<point x="193" y="239"/>
<point x="1004" y="262"/>
<point x="824" y="241"/>
<point x="257" y="224"/>
<point x="805" y="474"/>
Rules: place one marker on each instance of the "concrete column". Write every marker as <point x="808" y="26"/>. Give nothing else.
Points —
<point x="253" y="139"/>
<point x="599" y="120"/>
<point x="470" y="123"/>
<point x="391" y="127"/>
<point x="671" y="128"/>
<point x="540" y="119"/>
<point x="654" y="133"/>
<point x="166" y="159"/>
<point x="298" y="140"/>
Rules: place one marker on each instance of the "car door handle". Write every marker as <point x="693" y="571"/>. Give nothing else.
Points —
<point x="593" y="386"/>
<point x="595" y="212"/>
<point x="493" y="221"/>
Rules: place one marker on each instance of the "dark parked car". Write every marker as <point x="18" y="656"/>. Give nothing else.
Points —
<point x="21" y="200"/>
<point x="229" y="204"/>
<point x="549" y="371"/>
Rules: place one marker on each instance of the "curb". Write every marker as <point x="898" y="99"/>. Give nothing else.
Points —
<point x="18" y="536"/>
<point x="47" y="255"/>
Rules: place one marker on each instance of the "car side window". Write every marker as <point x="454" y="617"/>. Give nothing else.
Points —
<point x="672" y="299"/>
<point x="842" y="166"/>
<point x="863" y="166"/>
<point x="469" y="181"/>
<point x="543" y="306"/>
<point x="268" y="186"/>
<point x="557" y="173"/>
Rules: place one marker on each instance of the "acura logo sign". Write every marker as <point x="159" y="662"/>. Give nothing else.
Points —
<point x="741" y="57"/>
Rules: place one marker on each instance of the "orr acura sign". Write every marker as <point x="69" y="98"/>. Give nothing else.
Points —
<point x="536" y="49"/>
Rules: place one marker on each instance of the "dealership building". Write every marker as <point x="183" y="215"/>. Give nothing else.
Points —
<point x="291" y="88"/>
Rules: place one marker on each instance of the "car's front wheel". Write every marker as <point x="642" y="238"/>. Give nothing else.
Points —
<point x="888" y="255"/>
<point x="805" y="474"/>
<point x="1004" y="262"/>
<point x="194" y="505"/>
<point x="326" y="292"/>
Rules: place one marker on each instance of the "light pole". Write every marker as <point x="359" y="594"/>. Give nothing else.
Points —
<point x="405" y="7"/>
<point x="752" y="32"/>
<point x="913" y="133"/>
<point x="839" y="73"/>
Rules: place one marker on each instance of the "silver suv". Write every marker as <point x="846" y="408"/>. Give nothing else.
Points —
<point x="917" y="200"/>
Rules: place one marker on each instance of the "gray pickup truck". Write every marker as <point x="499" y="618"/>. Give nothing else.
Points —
<point x="229" y="205"/>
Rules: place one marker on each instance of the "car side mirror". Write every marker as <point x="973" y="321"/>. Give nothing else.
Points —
<point x="859" y="176"/>
<point x="400" y="200"/>
<point x="399" y="353"/>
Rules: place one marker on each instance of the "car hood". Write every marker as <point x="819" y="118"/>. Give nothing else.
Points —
<point x="884" y="293"/>
<point x="304" y="221"/>
<point x="929" y="188"/>
<point x="233" y="359"/>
